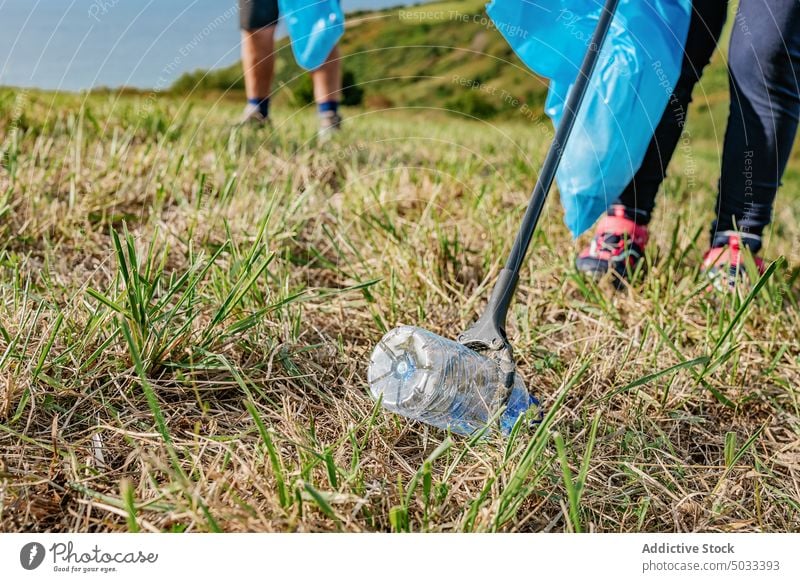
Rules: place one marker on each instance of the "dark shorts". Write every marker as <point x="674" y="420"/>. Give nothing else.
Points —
<point x="255" y="14"/>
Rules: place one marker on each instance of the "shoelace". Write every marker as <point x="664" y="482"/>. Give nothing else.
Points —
<point x="609" y="242"/>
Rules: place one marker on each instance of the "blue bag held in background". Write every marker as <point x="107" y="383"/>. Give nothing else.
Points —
<point x="639" y="65"/>
<point x="315" y="26"/>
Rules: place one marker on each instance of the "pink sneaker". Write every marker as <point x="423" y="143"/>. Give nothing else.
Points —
<point x="617" y="246"/>
<point x="726" y="265"/>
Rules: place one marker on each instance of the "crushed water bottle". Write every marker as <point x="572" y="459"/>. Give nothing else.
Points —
<point x="425" y="377"/>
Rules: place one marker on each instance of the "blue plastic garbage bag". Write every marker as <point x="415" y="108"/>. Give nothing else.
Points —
<point x="315" y="26"/>
<point x="639" y="65"/>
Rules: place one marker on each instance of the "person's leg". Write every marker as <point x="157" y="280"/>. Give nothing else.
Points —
<point x="258" y="61"/>
<point x="327" y="90"/>
<point x="639" y="198"/>
<point x="328" y="79"/>
<point x="258" y="19"/>
<point x="764" y="61"/>
<point x="620" y="238"/>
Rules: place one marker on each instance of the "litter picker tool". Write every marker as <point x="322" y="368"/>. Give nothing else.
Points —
<point x="462" y="385"/>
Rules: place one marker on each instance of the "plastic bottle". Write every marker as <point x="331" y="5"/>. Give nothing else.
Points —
<point x="425" y="377"/>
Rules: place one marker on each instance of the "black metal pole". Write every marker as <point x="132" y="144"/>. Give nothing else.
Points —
<point x="490" y="328"/>
<point x="551" y="162"/>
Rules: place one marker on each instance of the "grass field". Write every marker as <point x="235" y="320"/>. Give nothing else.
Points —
<point x="187" y="312"/>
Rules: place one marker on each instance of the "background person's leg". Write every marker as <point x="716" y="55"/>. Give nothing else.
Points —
<point x="639" y="198"/>
<point x="328" y="79"/>
<point x="258" y="61"/>
<point x="327" y="91"/>
<point x="765" y="106"/>
<point x="257" y="20"/>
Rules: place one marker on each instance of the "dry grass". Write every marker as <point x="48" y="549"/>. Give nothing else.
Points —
<point x="206" y="371"/>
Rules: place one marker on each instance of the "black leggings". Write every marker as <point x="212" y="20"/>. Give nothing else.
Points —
<point x="764" y="72"/>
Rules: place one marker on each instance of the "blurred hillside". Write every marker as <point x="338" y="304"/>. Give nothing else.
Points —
<point x="444" y="55"/>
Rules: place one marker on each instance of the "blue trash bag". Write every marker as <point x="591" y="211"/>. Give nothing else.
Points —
<point x="315" y="26"/>
<point x="639" y="65"/>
